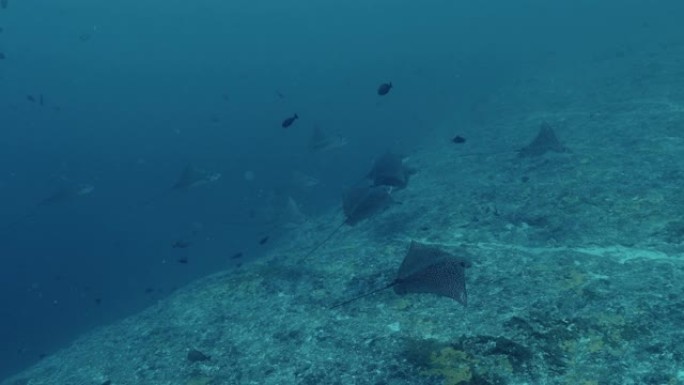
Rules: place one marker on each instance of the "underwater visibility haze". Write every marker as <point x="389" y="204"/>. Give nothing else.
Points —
<point x="219" y="192"/>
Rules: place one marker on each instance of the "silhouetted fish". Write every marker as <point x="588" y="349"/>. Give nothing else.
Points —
<point x="4" y="3"/>
<point x="195" y="355"/>
<point x="236" y="255"/>
<point x="31" y="98"/>
<point x="384" y="88"/>
<point x="263" y="240"/>
<point x="288" y="122"/>
<point x="2" y="56"/>
<point x="458" y="139"/>
<point x="183" y="260"/>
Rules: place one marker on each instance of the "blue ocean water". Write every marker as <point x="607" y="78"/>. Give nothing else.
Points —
<point x="123" y="96"/>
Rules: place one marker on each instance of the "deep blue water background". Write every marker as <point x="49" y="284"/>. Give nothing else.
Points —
<point x="136" y="90"/>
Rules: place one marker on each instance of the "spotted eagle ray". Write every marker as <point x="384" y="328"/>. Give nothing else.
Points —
<point x="61" y="196"/>
<point x="427" y="269"/>
<point x="320" y="141"/>
<point x="359" y="203"/>
<point x="189" y="178"/>
<point x="390" y="170"/>
<point x="545" y="141"/>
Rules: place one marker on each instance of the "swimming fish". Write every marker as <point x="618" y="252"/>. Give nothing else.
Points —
<point x="384" y="88"/>
<point x="3" y="4"/>
<point x="263" y="240"/>
<point x="195" y="355"/>
<point x="458" y="139"/>
<point x="2" y="56"/>
<point x="288" y="122"/>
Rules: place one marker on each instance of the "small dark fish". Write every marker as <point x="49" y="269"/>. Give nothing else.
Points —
<point x="98" y="301"/>
<point x="1" y="29"/>
<point x="384" y="88"/>
<point x="180" y="245"/>
<point x="31" y="98"/>
<point x="236" y="255"/>
<point x="149" y="290"/>
<point x="280" y="94"/>
<point x="458" y="139"/>
<point x="183" y="260"/>
<point x="85" y="36"/>
<point x="108" y="382"/>
<point x="195" y="355"/>
<point x="41" y="100"/>
<point x="288" y="122"/>
<point x="263" y="240"/>
<point x="4" y="3"/>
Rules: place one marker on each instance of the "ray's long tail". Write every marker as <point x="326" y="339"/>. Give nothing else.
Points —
<point x="325" y="240"/>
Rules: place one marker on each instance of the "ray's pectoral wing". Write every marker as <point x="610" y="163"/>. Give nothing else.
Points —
<point x="445" y="278"/>
<point x="363" y="202"/>
<point x="429" y="269"/>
